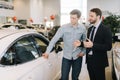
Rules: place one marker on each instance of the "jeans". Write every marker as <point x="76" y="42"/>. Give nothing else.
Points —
<point x="66" y="66"/>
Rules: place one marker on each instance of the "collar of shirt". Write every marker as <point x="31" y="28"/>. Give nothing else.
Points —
<point x="96" y="27"/>
<point x="75" y="27"/>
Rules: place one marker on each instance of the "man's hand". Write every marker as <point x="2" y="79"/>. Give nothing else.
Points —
<point x="80" y="55"/>
<point x="88" y="43"/>
<point x="45" y="55"/>
<point x="76" y="43"/>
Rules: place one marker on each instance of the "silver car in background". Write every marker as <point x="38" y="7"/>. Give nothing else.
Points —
<point x="12" y="26"/>
<point x="116" y="61"/>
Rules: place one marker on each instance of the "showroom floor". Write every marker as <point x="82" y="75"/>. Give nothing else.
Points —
<point x="84" y="72"/>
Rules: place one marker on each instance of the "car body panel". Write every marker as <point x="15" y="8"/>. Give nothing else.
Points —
<point x="41" y="69"/>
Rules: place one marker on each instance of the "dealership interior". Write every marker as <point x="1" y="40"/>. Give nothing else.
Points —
<point x="46" y="16"/>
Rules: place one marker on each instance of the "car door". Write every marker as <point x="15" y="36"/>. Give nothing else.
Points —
<point x="43" y="69"/>
<point x="52" y="60"/>
<point x="23" y="61"/>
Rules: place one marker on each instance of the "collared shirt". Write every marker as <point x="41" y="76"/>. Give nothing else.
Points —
<point x="69" y="35"/>
<point x="96" y="28"/>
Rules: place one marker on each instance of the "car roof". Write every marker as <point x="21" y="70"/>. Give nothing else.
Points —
<point x="8" y="32"/>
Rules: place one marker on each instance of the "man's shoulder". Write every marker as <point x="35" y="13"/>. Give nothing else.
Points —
<point x="104" y="26"/>
<point x="65" y="27"/>
<point x="81" y="26"/>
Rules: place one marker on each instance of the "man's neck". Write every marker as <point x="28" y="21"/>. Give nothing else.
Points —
<point x="97" y="22"/>
<point x="75" y="25"/>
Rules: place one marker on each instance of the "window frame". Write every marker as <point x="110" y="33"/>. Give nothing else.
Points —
<point x="31" y="39"/>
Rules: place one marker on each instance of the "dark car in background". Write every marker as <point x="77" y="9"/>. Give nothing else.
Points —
<point x="38" y="29"/>
<point x="52" y="32"/>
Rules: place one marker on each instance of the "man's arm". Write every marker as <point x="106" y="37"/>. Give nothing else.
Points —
<point x="107" y="45"/>
<point x="57" y="36"/>
<point x="79" y="43"/>
<point x="83" y="38"/>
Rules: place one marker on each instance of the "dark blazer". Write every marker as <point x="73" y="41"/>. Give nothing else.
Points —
<point x="102" y="43"/>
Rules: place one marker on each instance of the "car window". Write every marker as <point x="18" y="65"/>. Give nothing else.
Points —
<point x="41" y="44"/>
<point x="22" y="51"/>
<point x="28" y="46"/>
<point x="6" y="26"/>
<point x="9" y="57"/>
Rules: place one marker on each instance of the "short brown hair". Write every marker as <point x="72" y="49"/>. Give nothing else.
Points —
<point x="97" y="11"/>
<point x="75" y="12"/>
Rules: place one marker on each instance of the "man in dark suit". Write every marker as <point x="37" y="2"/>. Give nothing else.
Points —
<point x="98" y="43"/>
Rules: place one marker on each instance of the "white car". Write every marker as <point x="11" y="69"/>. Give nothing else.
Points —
<point x="21" y="56"/>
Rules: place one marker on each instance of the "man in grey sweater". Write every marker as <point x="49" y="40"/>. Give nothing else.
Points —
<point x="72" y="56"/>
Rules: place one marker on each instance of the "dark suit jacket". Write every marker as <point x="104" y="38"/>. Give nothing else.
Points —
<point x="102" y="43"/>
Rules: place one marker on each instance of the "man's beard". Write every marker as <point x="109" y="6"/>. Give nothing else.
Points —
<point x="93" y="22"/>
